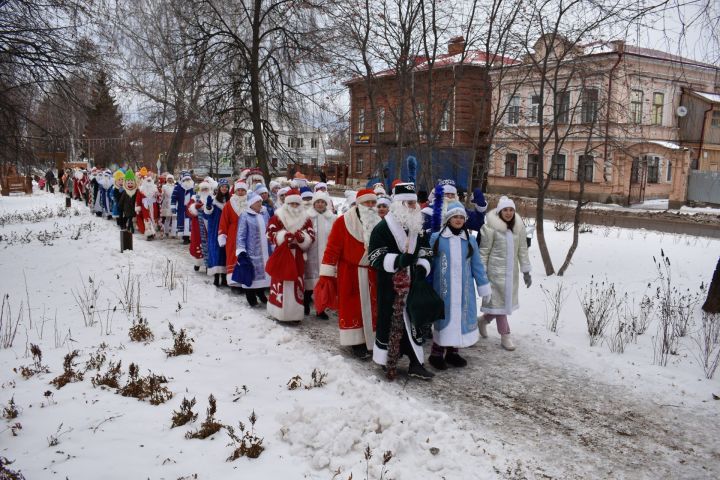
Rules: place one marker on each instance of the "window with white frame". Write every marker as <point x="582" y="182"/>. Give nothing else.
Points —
<point x="445" y="119"/>
<point x="657" y="108"/>
<point x="511" y="164"/>
<point x="590" y="102"/>
<point x="535" y="109"/>
<point x="532" y="165"/>
<point x="557" y="168"/>
<point x="636" y="101"/>
<point x="562" y="107"/>
<point x="313" y="142"/>
<point x="381" y="119"/>
<point x="513" y="111"/>
<point x="585" y="169"/>
<point x="653" y="169"/>
<point x="361" y="120"/>
<point x="359" y="164"/>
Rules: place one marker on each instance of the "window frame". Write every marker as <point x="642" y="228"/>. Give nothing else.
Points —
<point x="590" y="107"/>
<point x="658" y="109"/>
<point x="715" y="119"/>
<point x="313" y="142"/>
<point x="668" y="174"/>
<point x="511" y="159"/>
<point x="583" y="165"/>
<point x="535" y="109"/>
<point x="653" y="168"/>
<point x="535" y="164"/>
<point x="359" y="163"/>
<point x="555" y="169"/>
<point x="361" y="120"/>
<point x="445" y="119"/>
<point x="562" y="108"/>
<point x="513" y="110"/>
<point x="381" y="119"/>
<point x="636" y="107"/>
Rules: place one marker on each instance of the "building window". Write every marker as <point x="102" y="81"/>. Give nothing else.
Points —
<point x="445" y="119"/>
<point x="274" y="161"/>
<point x="653" y="169"/>
<point x="636" y="101"/>
<point x="313" y="142"/>
<point x="361" y="120"/>
<point x="420" y="119"/>
<point x="589" y="107"/>
<point x="715" y="122"/>
<point x="586" y="164"/>
<point x="359" y="164"/>
<point x="511" y="165"/>
<point x="248" y="142"/>
<point x="291" y="143"/>
<point x="513" y="112"/>
<point x="557" y="169"/>
<point x="657" y="108"/>
<point x="535" y="109"/>
<point x="562" y="107"/>
<point x="532" y="165"/>
<point x="381" y="120"/>
<point x="669" y="171"/>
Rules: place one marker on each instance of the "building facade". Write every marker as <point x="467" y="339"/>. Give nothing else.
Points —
<point x="623" y="122"/>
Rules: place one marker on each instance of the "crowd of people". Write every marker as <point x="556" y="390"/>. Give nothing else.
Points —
<point x="400" y="268"/>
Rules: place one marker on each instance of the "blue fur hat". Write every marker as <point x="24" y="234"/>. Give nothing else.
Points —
<point x="454" y="208"/>
<point x="223" y="181"/>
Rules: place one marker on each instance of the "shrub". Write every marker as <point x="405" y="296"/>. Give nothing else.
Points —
<point x="248" y="444"/>
<point x="69" y="375"/>
<point x="185" y="414"/>
<point x="210" y="426"/>
<point x="182" y="344"/>
<point x="111" y="378"/>
<point x="598" y="301"/>
<point x="150" y="388"/>
<point x="140" y="331"/>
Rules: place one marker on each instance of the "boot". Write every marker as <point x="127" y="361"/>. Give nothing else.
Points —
<point x="482" y="326"/>
<point x="186" y="240"/>
<point x="438" y="362"/>
<point x="223" y="280"/>
<point x="418" y="371"/>
<point x="323" y="316"/>
<point x="197" y="268"/>
<point x="454" y="359"/>
<point x="360" y="351"/>
<point x="507" y="342"/>
<point x="261" y="295"/>
<point x="251" y="297"/>
<point x="307" y="298"/>
<point x="216" y="282"/>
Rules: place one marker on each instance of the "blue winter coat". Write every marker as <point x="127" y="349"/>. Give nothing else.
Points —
<point x="179" y="200"/>
<point x="215" y="258"/>
<point x="455" y="277"/>
<point x="251" y="238"/>
<point x="115" y="201"/>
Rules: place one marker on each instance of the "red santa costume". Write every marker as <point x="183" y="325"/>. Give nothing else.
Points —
<point x="193" y="210"/>
<point x="147" y="208"/>
<point x="227" y="230"/>
<point x="290" y="231"/>
<point x="345" y="268"/>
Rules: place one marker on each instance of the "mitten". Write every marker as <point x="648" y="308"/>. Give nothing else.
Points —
<point x="405" y="260"/>
<point x="209" y="200"/>
<point x="222" y="239"/>
<point x="528" y="279"/>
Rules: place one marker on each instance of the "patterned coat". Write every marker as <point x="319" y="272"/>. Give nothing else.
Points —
<point x="216" y="256"/>
<point x="252" y="239"/>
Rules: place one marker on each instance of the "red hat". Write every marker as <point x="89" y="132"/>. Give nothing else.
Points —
<point x="395" y="182"/>
<point x="365" y="195"/>
<point x="292" y="196"/>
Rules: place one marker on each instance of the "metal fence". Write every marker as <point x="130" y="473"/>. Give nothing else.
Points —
<point x="704" y="187"/>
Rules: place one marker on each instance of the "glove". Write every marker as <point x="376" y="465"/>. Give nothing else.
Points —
<point x="299" y="237"/>
<point x="420" y="271"/>
<point x="222" y="239"/>
<point x="209" y="200"/>
<point x="289" y="237"/>
<point x="242" y="254"/>
<point x="137" y="209"/>
<point x="528" y="279"/>
<point x="405" y="260"/>
<point x="173" y="210"/>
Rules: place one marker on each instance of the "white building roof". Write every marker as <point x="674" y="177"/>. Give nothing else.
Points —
<point x="710" y="97"/>
<point x="666" y="144"/>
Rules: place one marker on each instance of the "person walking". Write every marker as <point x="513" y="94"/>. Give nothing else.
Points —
<point x="322" y="218"/>
<point x="253" y="245"/>
<point x="504" y="252"/>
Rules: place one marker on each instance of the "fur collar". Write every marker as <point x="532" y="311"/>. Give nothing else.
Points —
<point x="218" y="203"/>
<point x="354" y="225"/>
<point x="312" y="213"/>
<point x="291" y="225"/>
<point x="447" y="233"/>
<point x="404" y="244"/>
<point x="493" y="220"/>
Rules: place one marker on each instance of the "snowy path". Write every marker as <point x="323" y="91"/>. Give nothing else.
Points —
<point x="575" y="425"/>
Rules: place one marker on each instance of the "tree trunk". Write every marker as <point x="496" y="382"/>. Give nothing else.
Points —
<point x="540" y="229"/>
<point x="576" y="236"/>
<point x="176" y="145"/>
<point x="254" y="67"/>
<point x="712" y="303"/>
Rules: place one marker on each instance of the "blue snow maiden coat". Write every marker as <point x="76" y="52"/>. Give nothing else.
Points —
<point x="215" y="259"/>
<point x="179" y="200"/>
<point x="455" y="276"/>
<point x="252" y="239"/>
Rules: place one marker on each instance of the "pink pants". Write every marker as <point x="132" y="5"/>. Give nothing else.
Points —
<point x="503" y="326"/>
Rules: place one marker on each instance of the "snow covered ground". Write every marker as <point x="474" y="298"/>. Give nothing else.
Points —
<point x="554" y="408"/>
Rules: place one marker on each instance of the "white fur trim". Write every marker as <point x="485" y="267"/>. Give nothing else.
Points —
<point x="389" y="262"/>
<point x="505" y="202"/>
<point x="193" y="209"/>
<point x="352" y="336"/>
<point x="306" y="241"/>
<point x="366" y="198"/>
<point x="404" y="197"/>
<point x="449" y="189"/>
<point x="222" y="239"/>
<point x="481" y="209"/>
<point x="425" y="264"/>
<point x="293" y="199"/>
<point x="328" y="270"/>
<point x="280" y="237"/>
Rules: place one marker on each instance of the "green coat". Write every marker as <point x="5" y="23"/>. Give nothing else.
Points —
<point x="388" y="240"/>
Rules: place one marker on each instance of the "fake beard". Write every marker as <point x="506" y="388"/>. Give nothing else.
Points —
<point x="410" y="220"/>
<point x="147" y="188"/>
<point x="187" y="184"/>
<point x="293" y="218"/>
<point x="307" y="204"/>
<point x="369" y="219"/>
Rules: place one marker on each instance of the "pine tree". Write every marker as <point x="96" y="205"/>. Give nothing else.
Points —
<point x="104" y="129"/>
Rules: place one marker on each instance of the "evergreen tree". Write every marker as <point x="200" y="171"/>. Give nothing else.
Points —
<point x="104" y="129"/>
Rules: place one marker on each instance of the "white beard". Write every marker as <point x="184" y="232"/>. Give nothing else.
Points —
<point x="410" y="220"/>
<point x="148" y="188"/>
<point x="369" y="219"/>
<point x="292" y="218"/>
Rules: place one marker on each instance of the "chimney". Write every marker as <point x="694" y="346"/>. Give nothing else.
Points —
<point x="456" y="45"/>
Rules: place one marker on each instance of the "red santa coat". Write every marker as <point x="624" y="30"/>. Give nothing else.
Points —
<point x="195" y="239"/>
<point x="147" y="209"/>
<point x="285" y="302"/>
<point x="346" y="259"/>
<point x="227" y="232"/>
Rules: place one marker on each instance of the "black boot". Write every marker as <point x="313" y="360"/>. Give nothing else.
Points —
<point x="307" y="298"/>
<point x="454" y="359"/>
<point x="438" y="362"/>
<point x="418" y="371"/>
<point x="216" y="282"/>
<point x="197" y="268"/>
<point x="360" y="351"/>
<point x="223" y="280"/>
<point x="186" y="240"/>
<point x="261" y="295"/>
<point x="251" y="297"/>
<point x="323" y="316"/>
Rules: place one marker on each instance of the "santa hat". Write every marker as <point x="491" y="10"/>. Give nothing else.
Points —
<point x="365" y="195"/>
<point x="253" y="199"/>
<point x="448" y="186"/>
<point x="107" y="172"/>
<point x="320" y="185"/>
<point x="274" y="184"/>
<point x="379" y="189"/>
<point x="129" y="175"/>
<point x="306" y="193"/>
<point x="283" y="191"/>
<point x="260" y="188"/>
<point x="383" y="201"/>
<point x="244" y="174"/>
<point x="293" y="196"/>
<point x="240" y="185"/>
<point x="169" y="177"/>
<point x="454" y="208"/>
<point x="204" y="185"/>
<point x="321" y="196"/>
<point x="185" y="175"/>
<point x="404" y="192"/>
<point x="504" y="202"/>
<point x="212" y="182"/>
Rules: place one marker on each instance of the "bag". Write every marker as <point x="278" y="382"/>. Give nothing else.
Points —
<point x="326" y="294"/>
<point x="424" y="305"/>
<point x="281" y="264"/>
<point x="244" y="271"/>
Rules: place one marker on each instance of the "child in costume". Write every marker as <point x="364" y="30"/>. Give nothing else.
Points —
<point x="127" y="202"/>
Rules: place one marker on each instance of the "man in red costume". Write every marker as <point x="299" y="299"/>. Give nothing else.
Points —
<point x="147" y="208"/>
<point x="345" y="268"/>
<point x="290" y="231"/>
<point x="227" y="230"/>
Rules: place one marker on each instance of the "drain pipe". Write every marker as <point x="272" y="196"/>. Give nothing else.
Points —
<point x="620" y="46"/>
<point x="702" y="133"/>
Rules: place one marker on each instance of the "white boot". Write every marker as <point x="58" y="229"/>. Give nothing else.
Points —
<point x="482" y="326"/>
<point x="507" y="342"/>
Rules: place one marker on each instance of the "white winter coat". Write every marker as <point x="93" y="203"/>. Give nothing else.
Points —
<point x="502" y="252"/>
<point x="322" y="224"/>
<point x="165" y="210"/>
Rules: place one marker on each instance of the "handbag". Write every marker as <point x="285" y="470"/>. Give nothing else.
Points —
<point x="244" y="271"/>
<point x="424" y="305"/>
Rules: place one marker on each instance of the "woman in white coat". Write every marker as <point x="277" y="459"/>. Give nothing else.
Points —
<point x="503" y="250"/>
